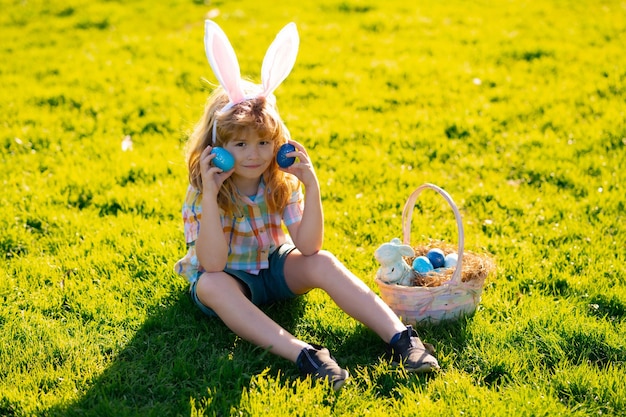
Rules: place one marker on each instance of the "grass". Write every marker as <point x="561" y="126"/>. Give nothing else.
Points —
<point x="516" y="108"/>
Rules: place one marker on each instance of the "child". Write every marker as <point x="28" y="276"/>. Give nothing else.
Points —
<point x="239" y="255"/>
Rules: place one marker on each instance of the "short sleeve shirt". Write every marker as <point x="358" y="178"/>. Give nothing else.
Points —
<point x="251" y="237"/>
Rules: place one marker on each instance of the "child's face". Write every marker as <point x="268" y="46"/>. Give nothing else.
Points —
<point x="252" y="154"/>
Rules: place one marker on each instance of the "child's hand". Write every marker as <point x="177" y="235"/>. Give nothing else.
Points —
<point x="212" y="176"/>
<point x="303" y="168"/>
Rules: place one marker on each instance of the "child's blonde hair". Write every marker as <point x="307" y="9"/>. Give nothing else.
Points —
<point x="261" y="116"/>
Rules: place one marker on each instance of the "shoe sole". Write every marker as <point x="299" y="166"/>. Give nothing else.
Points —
<point x="338" y="384"/>
<point x="422" y="369"/>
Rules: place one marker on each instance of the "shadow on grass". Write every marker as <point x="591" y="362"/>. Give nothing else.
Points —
<point x="178" y="358"/>
<point x="179" y="361"/>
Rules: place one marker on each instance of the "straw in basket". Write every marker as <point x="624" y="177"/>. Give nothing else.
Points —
<point x="455" y="297"/>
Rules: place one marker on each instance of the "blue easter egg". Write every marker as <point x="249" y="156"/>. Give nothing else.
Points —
<point x="422" y="265"/>
<point x="436" y="257"/>
<point x="223" y="159"/>
<point x="451" y="260"/>
<point x="281" y="157"/>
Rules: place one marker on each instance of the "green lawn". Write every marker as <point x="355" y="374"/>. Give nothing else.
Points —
<point x="516" y="108"/>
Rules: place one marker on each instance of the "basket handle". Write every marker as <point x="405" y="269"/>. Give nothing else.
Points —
<point x="407" y="214"/>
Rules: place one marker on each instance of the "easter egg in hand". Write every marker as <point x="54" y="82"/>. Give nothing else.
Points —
<point x="422" y="265"/>
<point x="281" y="157"/>
<point x="436" y="257"/>
<point x="451" y="260"/>
<point x="223" y="159"/>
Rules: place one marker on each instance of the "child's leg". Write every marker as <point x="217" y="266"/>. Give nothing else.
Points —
<point x="226" y="296"/>
<point x="324" y="271"/>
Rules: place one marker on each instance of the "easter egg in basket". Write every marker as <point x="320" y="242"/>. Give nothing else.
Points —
<point x="422" y="265"/>
<point x="436" y="257"/>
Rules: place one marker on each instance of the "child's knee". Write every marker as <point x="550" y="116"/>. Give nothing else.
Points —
<point x="211" y="285"/>
<point x="329" y="261"/>
<point x="324" y="257"/>
<point x="324" y="266"/>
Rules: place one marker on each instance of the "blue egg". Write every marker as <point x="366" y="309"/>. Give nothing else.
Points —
<point x="451" y="260"/>
<point x="436" y="257"/>
<point x="422" y="265"/>
<point x="281" y="157"/>
<point x="223" y="159"/>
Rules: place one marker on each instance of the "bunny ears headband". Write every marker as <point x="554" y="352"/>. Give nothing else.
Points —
<point x="277" y="64"/>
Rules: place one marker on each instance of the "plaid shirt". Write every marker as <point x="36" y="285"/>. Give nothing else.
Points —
<point x="251" y="238"/>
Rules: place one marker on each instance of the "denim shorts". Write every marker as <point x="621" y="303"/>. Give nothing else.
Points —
<point x="265" y="288"/>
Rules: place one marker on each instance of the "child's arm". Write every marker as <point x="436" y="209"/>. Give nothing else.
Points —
<point x="308" y="234"/>
<point x="211" y="246"/>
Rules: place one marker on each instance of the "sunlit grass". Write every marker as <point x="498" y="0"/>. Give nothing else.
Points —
<point x="516" y="108"/>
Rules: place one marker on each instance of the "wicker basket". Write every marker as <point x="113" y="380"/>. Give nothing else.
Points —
<point x="448" y="300"/>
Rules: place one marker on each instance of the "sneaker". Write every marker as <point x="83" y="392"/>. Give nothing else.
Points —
<point x="409" y="351"/>
<point x="318" y="363"/>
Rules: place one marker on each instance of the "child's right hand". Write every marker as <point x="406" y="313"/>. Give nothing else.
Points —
<point x="212" y="176"/>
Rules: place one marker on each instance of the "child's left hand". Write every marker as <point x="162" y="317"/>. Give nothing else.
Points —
<point x="303" y="168"/>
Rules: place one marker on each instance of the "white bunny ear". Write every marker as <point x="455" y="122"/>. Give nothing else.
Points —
<point x="223" y="60"/>
<point x="279" y="58"/>
<point x="406" y="250"/>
